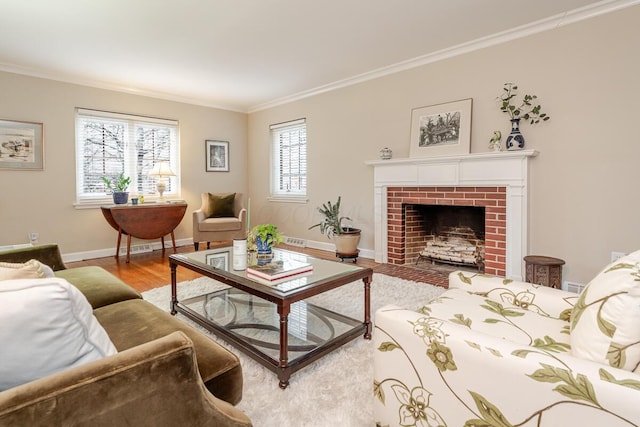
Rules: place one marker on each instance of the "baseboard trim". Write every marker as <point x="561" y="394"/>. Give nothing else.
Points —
<point x="103" y="253"/>
<point x="330" y="247"/>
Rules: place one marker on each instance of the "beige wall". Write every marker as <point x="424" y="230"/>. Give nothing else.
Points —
<point x="42" y="201"/>
<point x="582" y="201"/>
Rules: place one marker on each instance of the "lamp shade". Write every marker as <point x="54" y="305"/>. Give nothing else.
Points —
<point x="161" y="169"/>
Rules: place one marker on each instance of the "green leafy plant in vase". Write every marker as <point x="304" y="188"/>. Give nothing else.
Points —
<point x="528" y="108"/>
<point x="263" y="237"/>
<point x="118" y="186"/>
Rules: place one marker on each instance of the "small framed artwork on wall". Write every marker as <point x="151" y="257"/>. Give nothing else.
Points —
<point x="217" y="153"/>
<point x="21" y="145"/>
<point x="441" y="130"/>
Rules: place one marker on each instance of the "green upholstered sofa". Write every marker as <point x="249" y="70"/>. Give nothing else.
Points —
<point x="165" y="372"/>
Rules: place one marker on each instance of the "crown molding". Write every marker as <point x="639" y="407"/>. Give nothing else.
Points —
<point x="556" y="21"/>
<point x="97" y="84"/>
<point x="553" y="22"/>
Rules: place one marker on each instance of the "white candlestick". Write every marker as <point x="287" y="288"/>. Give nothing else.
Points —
<point x="249" y="215"/>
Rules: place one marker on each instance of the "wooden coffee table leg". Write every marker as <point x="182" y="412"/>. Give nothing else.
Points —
<point x="284" y="372"/>
<point x="367" y="306"/>
<point x="174" y="287"/>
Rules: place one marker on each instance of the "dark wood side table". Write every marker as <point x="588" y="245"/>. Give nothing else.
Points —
<point x="544" y="270"/>
<point x="147" y="221"/>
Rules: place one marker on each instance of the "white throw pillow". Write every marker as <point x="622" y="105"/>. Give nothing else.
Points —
<point x="31" y="269"/>
<point x="605" y="322"/>
<point x="46" y="326"/>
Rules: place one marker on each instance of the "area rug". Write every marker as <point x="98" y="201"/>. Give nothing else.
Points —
<point x="335" y="390"/>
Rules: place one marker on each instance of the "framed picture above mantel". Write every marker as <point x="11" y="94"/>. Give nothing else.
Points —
<point x="21" y="145"/>
<point x="441" y="130"/>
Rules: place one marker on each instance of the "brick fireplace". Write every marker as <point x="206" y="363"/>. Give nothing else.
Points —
<point x="496" y="181"/>
<point x="403" y="231"/>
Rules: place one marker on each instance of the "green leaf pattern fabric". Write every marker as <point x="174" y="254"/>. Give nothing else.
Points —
<point x="496" y="354"/>
<point x="605" y="322"/>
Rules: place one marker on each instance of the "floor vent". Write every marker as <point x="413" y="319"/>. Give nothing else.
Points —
<point x="294" y="241"/>
<point x="574" y="287"/>
<point x="136" y="249"/>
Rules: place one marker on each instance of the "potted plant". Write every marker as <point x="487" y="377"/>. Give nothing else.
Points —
<point x="528" y="109"/>
<point x="346" y="238"/>
<point x="263" y="237"/>
<point x="118" y="186"/>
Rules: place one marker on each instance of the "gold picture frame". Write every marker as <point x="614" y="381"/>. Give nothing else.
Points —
<point x="441" y="130"/>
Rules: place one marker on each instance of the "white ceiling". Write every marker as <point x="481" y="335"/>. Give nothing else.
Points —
<point x="248" y="54"/>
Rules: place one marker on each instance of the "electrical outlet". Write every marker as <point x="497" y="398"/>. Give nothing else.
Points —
<point x="616" y="255"/>
<point x="33" y="237"/>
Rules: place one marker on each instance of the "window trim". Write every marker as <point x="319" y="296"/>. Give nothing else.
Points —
<point x="88" y="202"/>
<point x="275" y="194"/>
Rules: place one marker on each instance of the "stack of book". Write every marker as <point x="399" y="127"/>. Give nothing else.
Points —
<point x="278" y="271"/>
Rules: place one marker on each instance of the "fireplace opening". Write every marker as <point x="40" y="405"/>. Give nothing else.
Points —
<point x="441" y="234"/>
<point x="406" y="235"/>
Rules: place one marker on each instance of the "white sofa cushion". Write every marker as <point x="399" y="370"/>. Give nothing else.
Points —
<point x="46" y="326"/>
<point x="31" y="269"/>
<point x="605" y="322"/>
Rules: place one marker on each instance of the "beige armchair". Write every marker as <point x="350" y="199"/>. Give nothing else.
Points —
<point x="221" y="217"/>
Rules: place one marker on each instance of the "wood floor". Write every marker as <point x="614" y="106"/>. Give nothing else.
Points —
<point x="151" y="270"/>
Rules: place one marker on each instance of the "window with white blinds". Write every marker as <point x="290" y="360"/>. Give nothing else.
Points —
<point x="108" y="144"/>
<point x="289" y="159"/>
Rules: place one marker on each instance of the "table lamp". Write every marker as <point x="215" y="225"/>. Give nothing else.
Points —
<point x="161" y="170"/>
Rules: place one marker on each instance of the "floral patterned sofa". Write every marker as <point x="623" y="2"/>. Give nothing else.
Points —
<point x="495" y="352"/>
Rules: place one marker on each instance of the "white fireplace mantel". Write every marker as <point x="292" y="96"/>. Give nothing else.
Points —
<point x="506" y="169"/>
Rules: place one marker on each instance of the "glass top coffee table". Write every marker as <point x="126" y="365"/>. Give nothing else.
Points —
<point x="272" y="322"/>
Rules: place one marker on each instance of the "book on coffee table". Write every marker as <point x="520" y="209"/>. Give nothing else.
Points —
<point x="284" y="284"/>
<point x="279" y="269"/>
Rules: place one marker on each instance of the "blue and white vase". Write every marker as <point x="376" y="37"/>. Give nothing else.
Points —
<point x="264" y="247"/>
<point x="264" y="250"/>
<point x="515" y="140"/>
